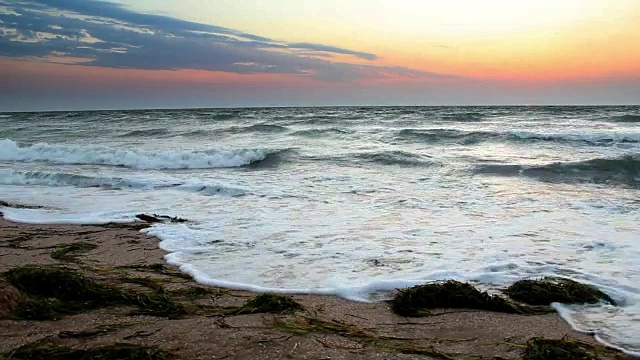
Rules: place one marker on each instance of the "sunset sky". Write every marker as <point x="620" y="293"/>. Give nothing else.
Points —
<point x="87" y="54"/>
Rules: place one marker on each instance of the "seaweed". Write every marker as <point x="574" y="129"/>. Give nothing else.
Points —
<point x="416" y="300"/>
<point x="417" y="349"/>
<point x="153" y="284"/>
<point x="553" y="289"/>
<point x="17" y="241"/>
<point x="158" y="269"/>
<point x="548" y="349"/>
<point x="56" y="291"/>
<point x="158" y="303"/>
<point x="61" y="283"/>
<point x="48" y="351"/>
<point x="197" y="292"/>
<point x="269" y="303"/>
<point x="307" y="324"/>
<point x="70" y="252"/>
<point x="99" y="331"/>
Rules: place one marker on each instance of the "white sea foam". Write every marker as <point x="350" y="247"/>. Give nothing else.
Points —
<point x="131" y="158"/>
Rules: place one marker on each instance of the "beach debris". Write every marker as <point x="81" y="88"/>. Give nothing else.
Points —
<point x="269" y="303"/>
<point x="70" y="252"/>
<point x="155" y="218"/>
<point x="57" y="291"/>
<point x="416" y="301"/>
<point x="546" y="349"/>
<point x="48" y="351"/>
<point x="553" y="289"/>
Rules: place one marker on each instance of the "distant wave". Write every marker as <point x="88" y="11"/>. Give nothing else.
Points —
<point x="147" y="132"/>
<point x="257" y="128"/>
<point x="623" y="170"/>
<point x="131" y="158"/>
<point x="627" y="118"/>
<point x="312" y="133"/>
<point x="393" y="157"/>
<point x="473" y="137"/>
<point x="52" y="179"/>
<point x="466" y="117"/>
<point x="223" y="116"/>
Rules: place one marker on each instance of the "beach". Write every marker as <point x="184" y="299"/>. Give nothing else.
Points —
<point x="327" y="328"/>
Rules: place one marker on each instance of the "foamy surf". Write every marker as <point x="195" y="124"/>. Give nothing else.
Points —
<point x="54" y="179"/>
<point x="131" y="158"/>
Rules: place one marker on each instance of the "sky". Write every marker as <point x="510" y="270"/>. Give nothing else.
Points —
<point x="127" y="54"/>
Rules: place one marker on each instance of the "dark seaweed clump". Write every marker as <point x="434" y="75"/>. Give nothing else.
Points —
<point x="270" y="303"/>
<point x="46" y="351"/>
<point x="70" y="252"/>
<point x="551" y="289"/>
<point x="546" y="349"/>
<point x="57" y="291"/>
<point x="453" y="294"/>
<point x="155" y="218"/>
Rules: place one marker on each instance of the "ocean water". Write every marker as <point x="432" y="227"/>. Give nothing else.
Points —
<point x="355" y="201"/>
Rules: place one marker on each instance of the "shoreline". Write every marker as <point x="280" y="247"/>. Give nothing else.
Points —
<point x="122" y="255"/>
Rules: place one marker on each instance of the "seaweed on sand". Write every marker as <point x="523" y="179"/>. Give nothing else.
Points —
<point x="307" y="324"/>
<point x="56" y="291"/>
<point x="70" y="252"/>
<point x="48" y="351"/>
<point x="416" y="300"/>
<point x="553" y="289"/>
<point x="17" y="241"/>
<point x="269" y="303"/>
<point x="545" y="349"/>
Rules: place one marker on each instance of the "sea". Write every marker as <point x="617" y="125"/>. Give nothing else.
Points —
<point x="355" y="201"/>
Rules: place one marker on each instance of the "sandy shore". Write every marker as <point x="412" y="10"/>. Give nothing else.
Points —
<point x="122" y="252"/>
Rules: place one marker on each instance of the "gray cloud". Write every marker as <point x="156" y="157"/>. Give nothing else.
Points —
<point x="108" y="35"/>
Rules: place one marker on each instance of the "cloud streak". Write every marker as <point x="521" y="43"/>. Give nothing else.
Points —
<point x="105" y="34"/>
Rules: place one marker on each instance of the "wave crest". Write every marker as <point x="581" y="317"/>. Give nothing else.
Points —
<point x="400" y="158"/>
<point x="624" y="170"/>
<point x="130" y="158"/>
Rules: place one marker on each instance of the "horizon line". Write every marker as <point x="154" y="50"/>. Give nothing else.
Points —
<point x="315" y="107"/>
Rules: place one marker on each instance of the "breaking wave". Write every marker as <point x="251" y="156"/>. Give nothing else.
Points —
<point x="624" y="170"/>
<point x="131" y="158"/>
<point x="53" y="179"/>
